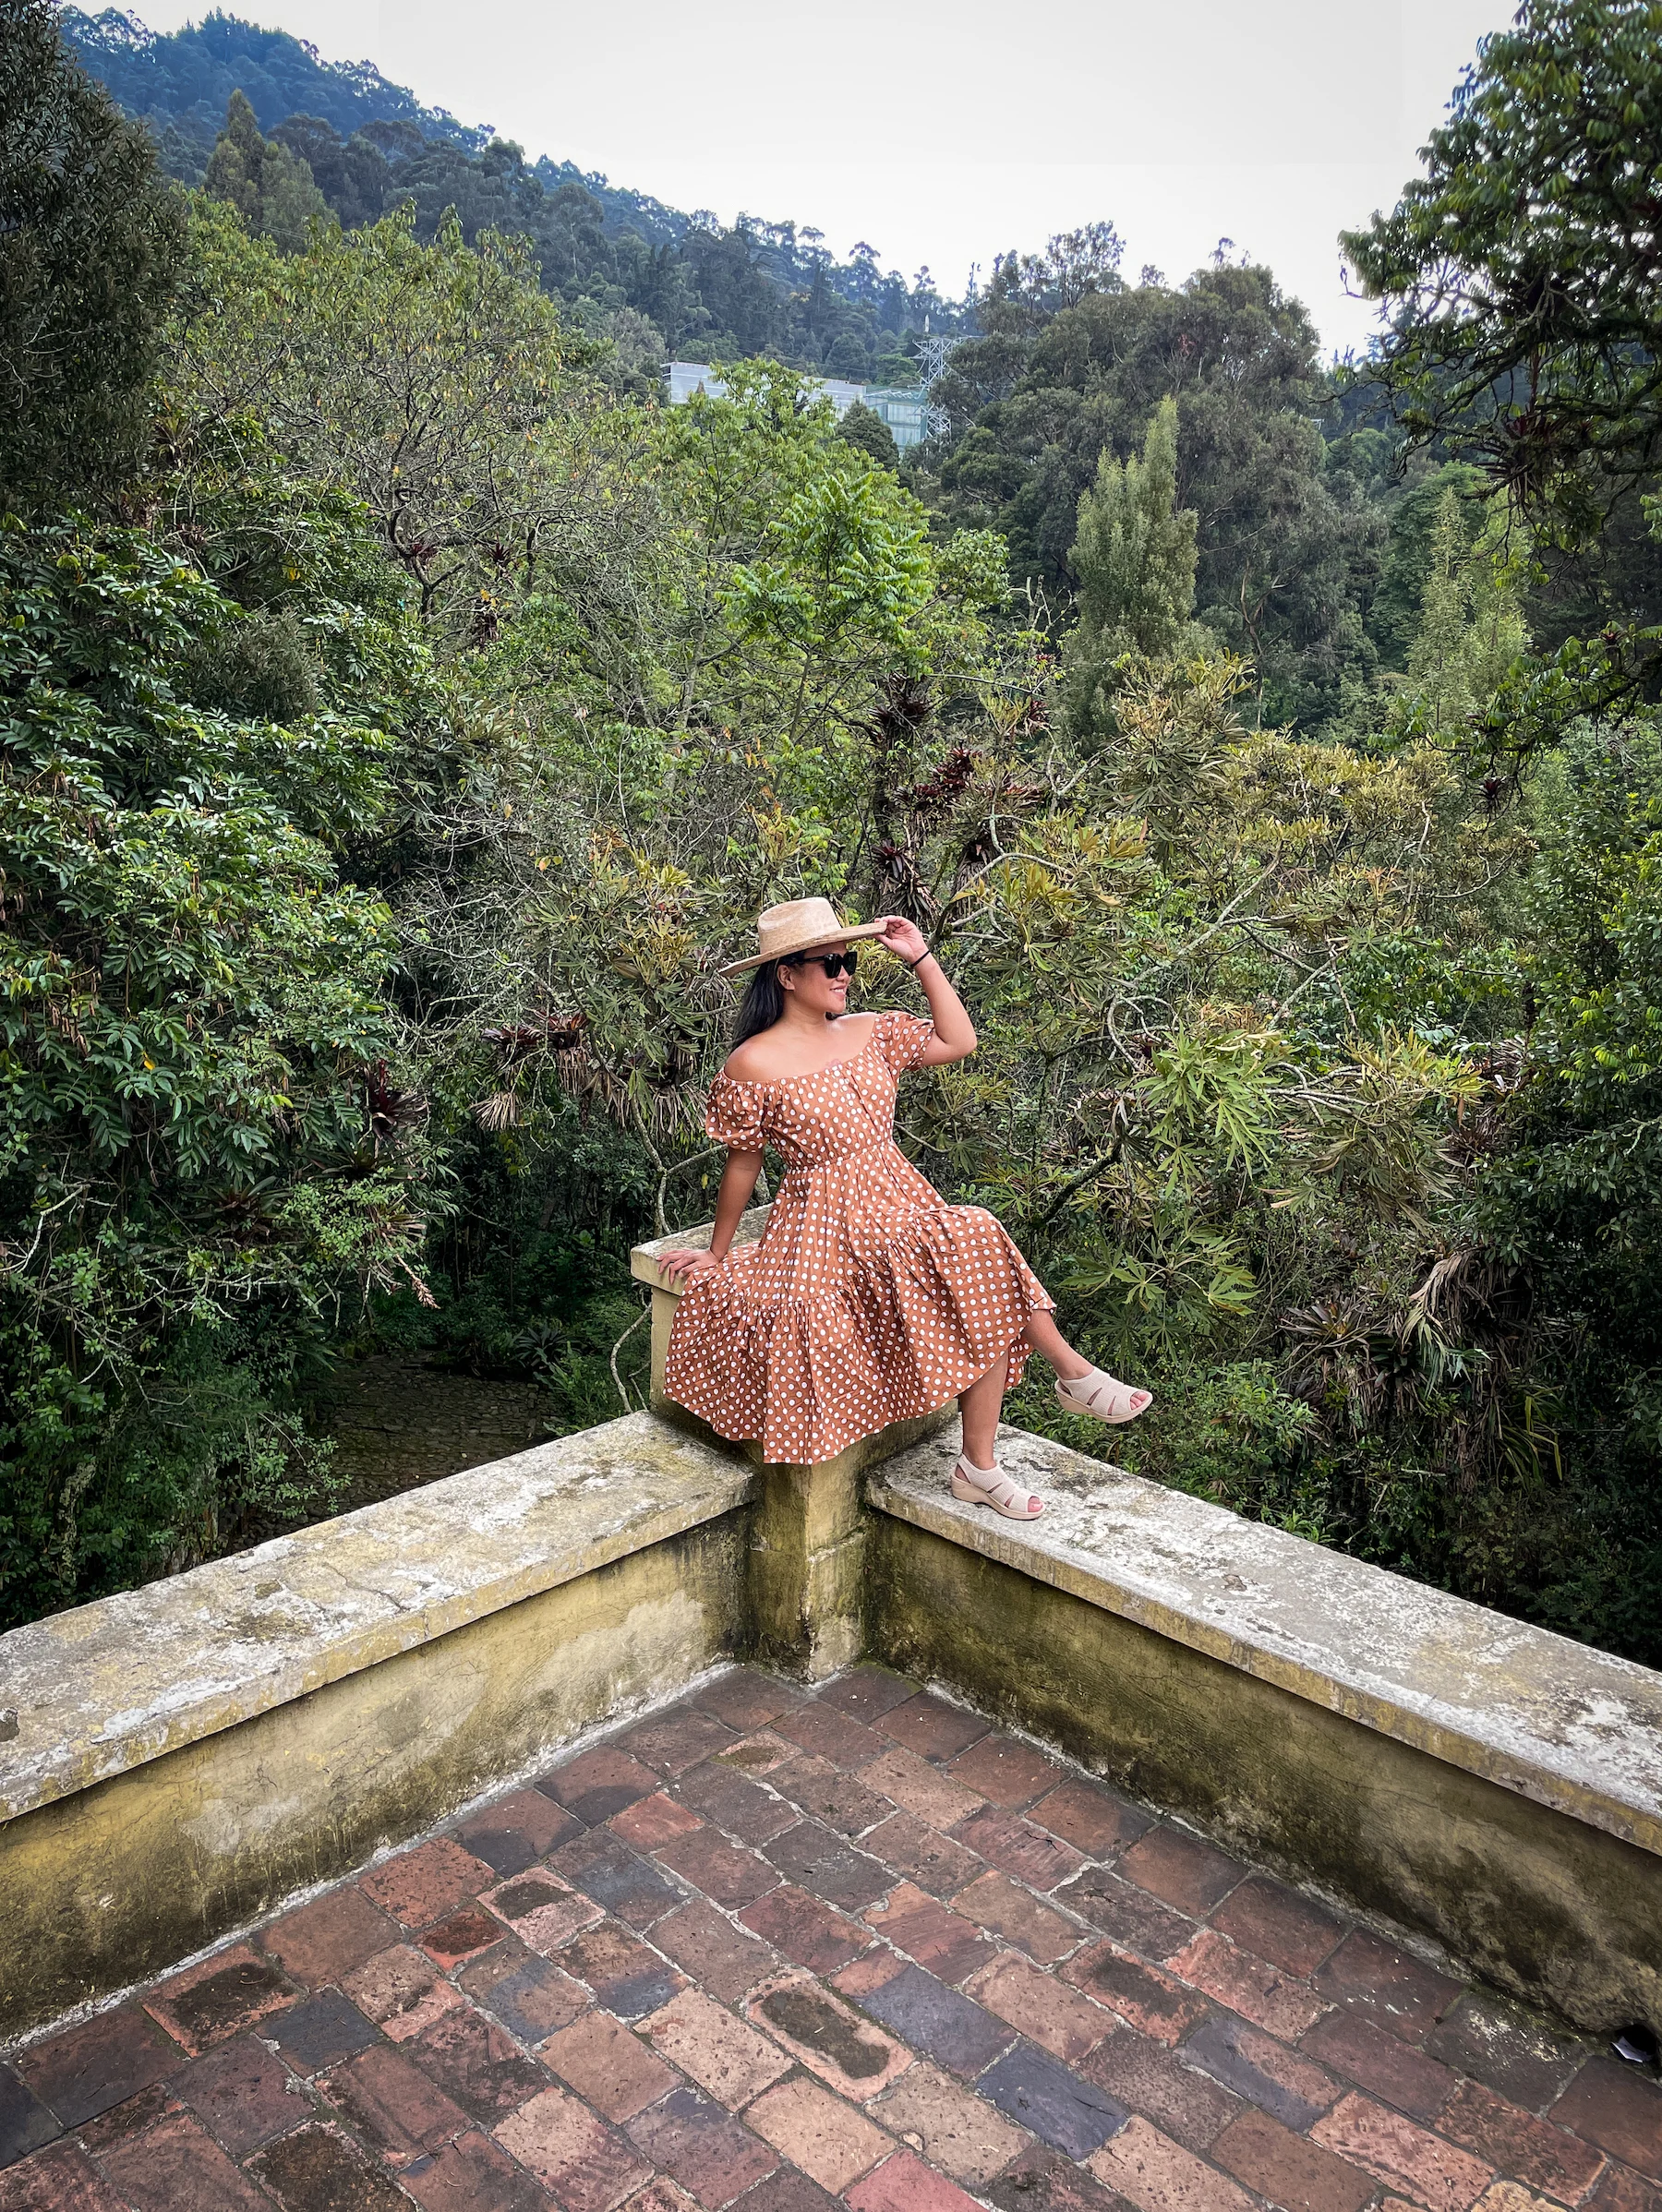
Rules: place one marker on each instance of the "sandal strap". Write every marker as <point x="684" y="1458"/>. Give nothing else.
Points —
<point x="998" y="1487"/>
<point x="1086" y="1391"/>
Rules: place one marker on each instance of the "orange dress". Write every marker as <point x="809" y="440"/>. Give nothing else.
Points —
<point x="868" y="1299"/>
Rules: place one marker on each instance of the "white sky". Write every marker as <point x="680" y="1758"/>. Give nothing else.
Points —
<point x="1270" y="121"/>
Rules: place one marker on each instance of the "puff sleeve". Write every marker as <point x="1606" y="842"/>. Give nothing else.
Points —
<point x="733" y="1117"/>
<point x="902" y="1040"/>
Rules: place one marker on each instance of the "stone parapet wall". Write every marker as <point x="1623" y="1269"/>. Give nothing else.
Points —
<point x="186" y="1755"/>
<point x="177" y="1760"/>
<point x="1482" y="1782"/>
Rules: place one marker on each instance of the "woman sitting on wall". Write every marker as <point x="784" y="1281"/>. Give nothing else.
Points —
<point x="868" y="1300"/>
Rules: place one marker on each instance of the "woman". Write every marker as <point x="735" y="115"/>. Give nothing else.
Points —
<point x="870" y="1299"/>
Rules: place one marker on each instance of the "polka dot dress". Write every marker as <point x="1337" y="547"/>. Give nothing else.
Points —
<point x="868" y="1299"/>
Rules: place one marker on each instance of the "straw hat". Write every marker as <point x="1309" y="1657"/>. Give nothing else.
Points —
<point x="797" y="926"/>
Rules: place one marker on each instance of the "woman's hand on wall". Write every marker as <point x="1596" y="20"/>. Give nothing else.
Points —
<point x="681" y="1266"/>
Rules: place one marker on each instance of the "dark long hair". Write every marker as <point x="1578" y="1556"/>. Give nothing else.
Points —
<point x="761" y="1005"/>
<point x="764" y="1003"/>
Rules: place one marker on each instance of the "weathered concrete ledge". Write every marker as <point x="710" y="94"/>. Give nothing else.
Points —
<point x="109" y="1686"/>
<point x="188" y="1753"/>
<point x="808" y="1528"/>
<point x="1492" y="1784"/>
<point x="1560" y="1722"/>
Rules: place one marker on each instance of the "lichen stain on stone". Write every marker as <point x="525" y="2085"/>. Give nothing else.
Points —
<point x="640" y="1652"/>
<point x="225" y="1826"/>
<point x="265" y="1628"/>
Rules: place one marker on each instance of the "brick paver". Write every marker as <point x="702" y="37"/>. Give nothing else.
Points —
<point x="931" y="1934"/>
<point x="920" y="1789"/>
<point x="1276" y="1923"/>
<point x="321" y="2031"/>
<point x="828" y="2036"/>
<point x="769" y="1951"/>
<point x="401" y="1991"/>
<point x="823" y="2134"/>
<point x="216" y="1999"/>
<point x="421" y="1886"/>
<point x="330" y="1936"/>
<point x="1400" y="2072"/>
<point x="598" y="2058"/>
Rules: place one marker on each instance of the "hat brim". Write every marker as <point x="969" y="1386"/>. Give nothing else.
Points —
<point x="861" y="928"/>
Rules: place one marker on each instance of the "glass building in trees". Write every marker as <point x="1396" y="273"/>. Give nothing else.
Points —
<point x="904" y="410"/>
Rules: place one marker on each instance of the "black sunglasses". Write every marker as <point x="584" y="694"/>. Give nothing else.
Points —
<point x="833" y="963"/>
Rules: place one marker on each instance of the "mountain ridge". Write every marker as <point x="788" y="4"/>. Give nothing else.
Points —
<point x="283" y="76"/>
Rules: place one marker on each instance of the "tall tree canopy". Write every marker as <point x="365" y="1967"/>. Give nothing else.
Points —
<point x="1135" y="553"/>
<point x="1135" y="562"/>
<point x="1283" y="553"/>
<point x="88" y="245"/>
<point x="1520" y="271"/>
<point x="271" y="187"/>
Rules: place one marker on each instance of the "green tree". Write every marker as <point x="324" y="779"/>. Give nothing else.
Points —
<point x="426" y="382"/>
<point x="1437" y="657"/>
<point x="1519" y="270"/>
<point x="353" y="174"/>
<point x="193" y="1002"/>
<point x="1284" y="557"/>
<point x="1135" y="561"/>
<point x="89" y="247"/>
<point x="1571" y="1205"/>
<point x="1471" y="630"/>
<point x="865" y="429"/>
<point x="1394" y="612"/>
<point x="271" y="187"/>
<point x="1135" y="553"/>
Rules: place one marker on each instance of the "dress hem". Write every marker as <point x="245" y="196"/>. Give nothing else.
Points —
<point x="1045" y="1305"/>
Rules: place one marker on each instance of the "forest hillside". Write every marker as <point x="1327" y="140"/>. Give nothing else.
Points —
<point x="684" y="284"/>
<point x="403" y="715"/>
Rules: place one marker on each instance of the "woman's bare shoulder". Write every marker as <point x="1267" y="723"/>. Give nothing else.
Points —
<point x="857" y="1026"/>
<point x="751" y="1062"/>
<point x="758" y="1059"/>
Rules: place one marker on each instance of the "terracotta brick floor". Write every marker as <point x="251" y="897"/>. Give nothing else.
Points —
<point x="787" y="1953"/>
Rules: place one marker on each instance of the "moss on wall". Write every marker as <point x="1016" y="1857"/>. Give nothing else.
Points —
<point x="1560" y="1912"/>
<point x="104" y="1887"/>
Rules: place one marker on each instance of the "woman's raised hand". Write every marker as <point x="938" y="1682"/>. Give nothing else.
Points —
<point x="903" y="938"/>
<point x="683" y="1266"/>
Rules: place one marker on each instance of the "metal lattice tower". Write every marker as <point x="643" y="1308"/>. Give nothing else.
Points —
<point x="933" y="354"/>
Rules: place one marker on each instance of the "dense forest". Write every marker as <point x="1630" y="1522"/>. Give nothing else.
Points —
<point x="405" y="715"/>
<point x="652" y="281"/>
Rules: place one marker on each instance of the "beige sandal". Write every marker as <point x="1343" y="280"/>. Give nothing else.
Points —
<point x="1102" y="1397"/>
<point x="977" y="1486"/>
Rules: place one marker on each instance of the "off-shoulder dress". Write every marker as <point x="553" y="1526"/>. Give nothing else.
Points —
<point x="868" y="1299"/>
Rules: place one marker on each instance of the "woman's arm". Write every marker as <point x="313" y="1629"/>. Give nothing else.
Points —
<point x="954" y="1036"/>
<point x="737" y="1189"/>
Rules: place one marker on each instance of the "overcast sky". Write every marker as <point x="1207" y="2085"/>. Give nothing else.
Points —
<point x="1270" y="121"/>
